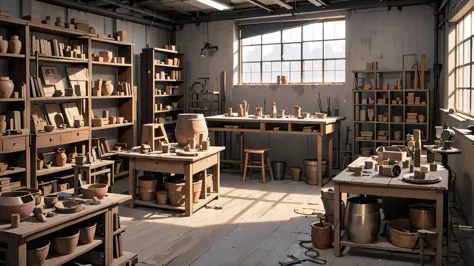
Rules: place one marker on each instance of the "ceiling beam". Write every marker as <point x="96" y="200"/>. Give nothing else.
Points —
<point x="141" y="11"/>
<point x="301" y="9"/>
<point x="282" y="4"/>
<point x="260" y="4"/>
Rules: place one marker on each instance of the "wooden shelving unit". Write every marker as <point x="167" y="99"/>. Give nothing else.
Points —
<point x="152" y="84"/>
<point x="377" y="79"/>
<point x="208" y="102"/>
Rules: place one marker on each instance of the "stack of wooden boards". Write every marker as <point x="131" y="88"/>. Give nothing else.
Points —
<point x="53" y="81"/>
<point x="6" y="185"/>
<point x="54" y="114"/>
<point x="55" y="48"/>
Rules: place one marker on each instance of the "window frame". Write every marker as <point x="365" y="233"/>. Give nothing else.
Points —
<point x="301" y="60"/>
<point x="460" y="41"/>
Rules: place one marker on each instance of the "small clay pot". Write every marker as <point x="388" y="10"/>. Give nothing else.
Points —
<point x="147" y="194"/>
<point x="14" y="45"/>
<point x="79" y="160"/>
<point x="61" y="157"/>
<point x="37" y="251"/>
<point x="49" y="128"/>
<point x="112" y="120"/>
<point x="3" y="45"/>
<point x="50" y="200"/>
<point x="120" y="119"/>
<point x="107" y="89"/>
<point x="65" y="241"/>
<point x="87" y="231"/>
<point x="6" y="87"/>
<point x="161" y="197"/>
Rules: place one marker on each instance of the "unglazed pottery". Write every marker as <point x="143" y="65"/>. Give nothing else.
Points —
<point x="65" y="241"/>
<point x="94" y="190"/>
<point x="36" y="193"/>
<point x="14" y="45"/>
<point x="107" y="89"/>
<point x="50" y="200"/>
<point x="191" y="126"/>
<point x="37" y="251"/>
<point x="61" y="157"/>
<point x="3" y="45"/>
<point x="87" y="231"/>
<point x="16" y="202"/>
<point x="112" y="120"/>
<point x="6" y="87"/>
<point x="49" y="128"/>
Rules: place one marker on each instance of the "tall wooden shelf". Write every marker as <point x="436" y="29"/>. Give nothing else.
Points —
<point x="151" y="84"/>
<point x="377" y="78"/>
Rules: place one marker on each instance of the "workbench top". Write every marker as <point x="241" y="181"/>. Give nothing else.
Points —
<point x="286" y="120"/>
<point x="158" y="155"/>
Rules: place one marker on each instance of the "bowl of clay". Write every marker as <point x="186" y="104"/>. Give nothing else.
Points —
<point x="94" y="190"/>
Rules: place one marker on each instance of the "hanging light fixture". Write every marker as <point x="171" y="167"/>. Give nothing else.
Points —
<point x="208" y="46"/>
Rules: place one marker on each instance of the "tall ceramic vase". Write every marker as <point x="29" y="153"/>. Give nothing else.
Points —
<point x="3" y="45"/>
<point x="6" y="87"/>
<point x="3" y="124"/>
<point x="61" y="157"/>
<point x="14" y="45"/>
<point x="191" y="126"/>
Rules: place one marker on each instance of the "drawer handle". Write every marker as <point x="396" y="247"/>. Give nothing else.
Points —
<point x="14" y="143"/>
<point x="77" y="134"/>
<point x="50" y="139"/>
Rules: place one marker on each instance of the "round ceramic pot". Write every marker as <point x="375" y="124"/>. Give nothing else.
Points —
<point x="36" y="193"/>
<point x="6" y="87"/>
<point x="161" y="197"/>
<point x="14" y="45"/>
<point x="65" y="242"/>
<point x="3" y="45"/>
<point x="112" y="120"/>
<point x="61" y="157"/>
<point x="50" y="200"/>
<point x="94" y="190"/>
<point x="107" y="89"/>
<point x="87" y="231"/>
<point x="191" y="126"/>
<point x="37" y="251"/>
<point x="16" y="202"/>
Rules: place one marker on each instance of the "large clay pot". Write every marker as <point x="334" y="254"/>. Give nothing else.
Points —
<point x="65" y="241"/>
<point x="14" y="45"/>
<point x="37" y="251"/>
<point x="94" y="190"/>
<point x="3" y="45"/>
<point x="36" y="193"/>
<point x="6" y="87"/>
<point x="16" y="202"/>
<point x="191" y="126"/>
<point x="61" y="157"/>
<point x="87" y="231"/>
<point x="322" y="235"/>
<point x="176" y="191"/>
<point x="107" y="89"/>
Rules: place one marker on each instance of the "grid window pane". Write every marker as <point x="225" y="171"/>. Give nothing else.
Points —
<point x="467" y="52"/>
<point x="464" y="65"/>
<point x="467" y="27"/>
<point x="334" y="49"/>
<point x="329" y="30"/>
<point x="252" y="40"/>
<point x="251" y="53"/>
<point x="274" y="37"/>
<point x="312" y="50"/>
<point x="339" y="29"/>
<point x="271" y="52"/>
<point x="292" y="35"/>
<point x="313" y="32"/>
<point x="292" y="51"/>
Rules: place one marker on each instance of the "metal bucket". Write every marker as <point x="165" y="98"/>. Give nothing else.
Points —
<point x="279" y="169"/>
<point x="311" y="170"/>
<point x="362" y="219"/>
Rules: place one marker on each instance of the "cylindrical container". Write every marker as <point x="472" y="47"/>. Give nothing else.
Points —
<point x="322" y="235"/>
<point x="296" y="173"/>
<point x="105" y="114"/>
<point x="112" y="120"/>
<point x="430" y="157"/>
<point x="400" y="234"/>
<point x="65" y="241"/>
<point x="176" y="188"/>
<point x="191" y="126"/>
<point x="3" y="45"/>
<point x="327" y="197"/>
<point x="258" y="111"/>
<point x="397" y="135"/>
<point x="362" y="219"/>
<point x="229" y="112"/>
<point x="147" y="187"/>
<point x="86" y="231"/>
<point x="421" y="118"/>
<point x="279" y="169"/>
<point x="37" y="251"/>
<point x="311" y="170"/>
<point x="161" y="197"/>
<point x="422" y="216"/>
<point x="363" y="115"/>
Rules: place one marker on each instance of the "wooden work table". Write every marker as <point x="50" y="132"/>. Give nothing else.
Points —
<point x="374" y="184"/>
<point x="13" y="241"/>
<point x="171" y="163"/>
<point x="288" y="125"/>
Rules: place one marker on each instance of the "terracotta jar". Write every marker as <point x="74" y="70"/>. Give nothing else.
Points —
<point x="191" y="126"/>
<point x="322" y="235"/>
<point x="14" y="45"/>
<point x="3" y="45"/>
<point x="6" y="87"/>
<point x="112" y="120"/>
<point x="107" y="89"/>
<point x="284" y="80"/>
<point x="37" y="251"/>
<point x="3" y="127"/>
<point x="61" y="157"/>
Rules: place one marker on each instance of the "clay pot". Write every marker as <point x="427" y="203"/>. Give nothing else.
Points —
<point x="421" y="118"/>
<point x="120" y="119"/>
<point x="65" y="241"/>
<point x="112" y="120"/>
<point x="87" y="231"/>
<point x="37" y="251"/>
<point x="3" y="167"/>
<point x="6" y="87"/>
<point x="94" y="190"/>
<point x="161" y="197"/>
<point x="50" y="200"/>
<point x="61" y="157"/>
<point x="107" y="89"/>
<point x="296" y="173"/>
<point x="49" y="128"/>
<point x="147" y="194"/>
<point x="36" y="193"/>
<point x="3" y="45"/>
<point x="284" y="80"/>
<point x="147" y="182"/>
<point x="79" y="160"/>
<point x="16" y="202"/>
<point x="191" y="126"/>
<point x="14" y="45"/>
<point x="3" y="127"/>
<point x="322" y="235"/>
<point x="176" y="190"/>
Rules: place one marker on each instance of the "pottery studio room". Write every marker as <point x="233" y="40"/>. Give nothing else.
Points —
<point x="236" y="132"/>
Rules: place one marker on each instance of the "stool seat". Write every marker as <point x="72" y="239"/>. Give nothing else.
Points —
<point x="258" y="164"/>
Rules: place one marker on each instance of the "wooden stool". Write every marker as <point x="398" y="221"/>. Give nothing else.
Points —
<point x="257" y="164"/>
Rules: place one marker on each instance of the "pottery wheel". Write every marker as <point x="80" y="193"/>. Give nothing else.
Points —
<point x="429" y="179"/>
<point x="70" y="206"/>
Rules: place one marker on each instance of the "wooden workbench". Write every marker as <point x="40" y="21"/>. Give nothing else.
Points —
<point x="171" y="163"/>
<point x="374" y="184"/>
<point x="13" y="241"/>
<point x="288" y="125"/>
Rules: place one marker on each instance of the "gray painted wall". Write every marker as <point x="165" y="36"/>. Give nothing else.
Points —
<point x="375" y="34"/>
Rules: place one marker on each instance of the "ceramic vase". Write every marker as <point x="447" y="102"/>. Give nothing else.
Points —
<point x="284" y="80"/>
<point x="191" y="126"/>
<point x="370" y="114"/>
<point x="3" y="45"/>
<point x="14" y="45"/>
<point x="61" y="157"/>
<point x="107" y="89"/>
<point x="6" y="87"/>
<point x="397" y="135"/>
<point x="421" y="118"/>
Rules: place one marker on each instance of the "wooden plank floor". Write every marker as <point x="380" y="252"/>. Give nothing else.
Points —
<point x="257" y="226"/>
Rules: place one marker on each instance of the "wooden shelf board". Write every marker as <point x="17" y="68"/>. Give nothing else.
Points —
<point x="417" y="105"/>
<point x="201" y="109"/>
<point x="197" y="101"/>
<point x="126" y="257"/>
<point x="292" y="132"/>
<point x="109" y="154"/>
<point x="112" y="126"/>
<point x="120" y="230"/>
<point x="56" y="131"/>
<point x="168" y="66"/>
<point x="97" y="39"/>
<point x="364" y="140"/>
<point x="10" y="55"/>
<point x="413" y="90"/>
<point x="52" y="29"/>
<point x="364" y="91"/>
<point x="14" y="170"/>
<point x="367" y="122"/>
<point x="421" y="124"/>
<point x="110" y="64"/>
<point x="170" y="123"/>
<point x="169" y="95"/>
<point x="205" y="92"/>
<point x="168" y="111"/>
<point x="235" y="129"/>
<point x="382" y="244"/>
<point x="196" y="206"/>
<point x="111" y="97"/>
<point x="54" y="169"/>
<point x="56" y="259"/>
<point x="166" y="51"/>
<point x="62" y="98"/>
<point x="60" y="59"/>
<point x="11" y="100"/>
<point x="169" y="80"/>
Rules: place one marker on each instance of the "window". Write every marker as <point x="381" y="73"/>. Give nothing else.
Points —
<point x="314" y="53"/>
<point x="464" y="95"/>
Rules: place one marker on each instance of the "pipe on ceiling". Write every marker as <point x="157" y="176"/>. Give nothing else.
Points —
<point x="141" y="11"/>
<point x="108" y="13"/>
<point x="443" y="5"/>
<point x="260" y="4"/>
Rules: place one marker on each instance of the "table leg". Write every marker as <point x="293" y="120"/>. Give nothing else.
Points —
<point x="241" y="152"/>
<point x="76" y="181"/>
<point x="109" y="238"/>
<point x="204" y="186"/>
<point x="216" y="177"/>
<point x="337" y="221"/>
<point x="132" y="182"/>
<point x="439" y="228"/>
<point x="330" y="138"/>
<point x="319" y="147"/>
<point x="188" y="198"/>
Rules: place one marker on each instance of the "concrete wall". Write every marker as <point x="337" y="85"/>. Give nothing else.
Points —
<point x="371" y="35"/>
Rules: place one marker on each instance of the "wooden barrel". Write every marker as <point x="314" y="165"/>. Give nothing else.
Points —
<point x="311" y="170"/>
<point x="191" y="126"/>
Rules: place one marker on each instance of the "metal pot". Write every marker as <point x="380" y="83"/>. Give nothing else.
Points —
<point x="362" y="219"/>
<point x="422" y="216"/>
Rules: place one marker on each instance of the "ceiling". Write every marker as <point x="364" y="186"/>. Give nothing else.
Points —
<point x="170" y="13"/>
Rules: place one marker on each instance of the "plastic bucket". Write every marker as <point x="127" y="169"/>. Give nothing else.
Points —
<point x="279" y="169"/>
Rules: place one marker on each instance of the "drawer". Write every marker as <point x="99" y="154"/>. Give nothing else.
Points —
<point x="48" y="140"/>
<point x="66" y="137"/>
<point x="15" y="144"/>
<point x="79" y="135"/>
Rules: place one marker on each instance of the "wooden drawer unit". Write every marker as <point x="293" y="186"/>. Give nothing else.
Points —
<point x="48" y="140"/>
<point x="79" y="135"/>
<point x="61" y="138"/>
<point x="65" y="137"/>
<point x="14" y="144"/>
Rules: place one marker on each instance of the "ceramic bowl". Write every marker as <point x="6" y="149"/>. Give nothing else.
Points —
<point x="49" y="128"/>
<point x="16" y="202"/>
<point x="36" y="193"/>
<point x="50" y="200"/>
<point x="94" y="190"/>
